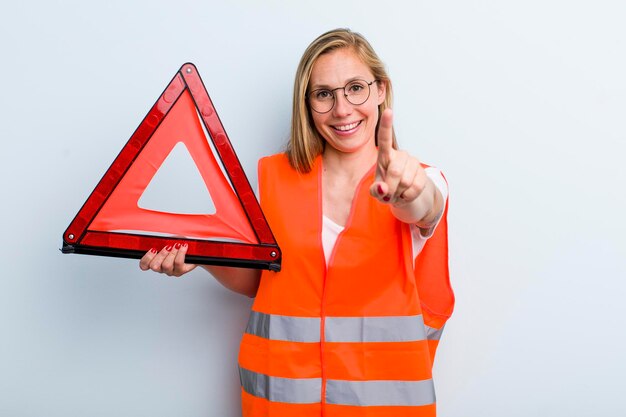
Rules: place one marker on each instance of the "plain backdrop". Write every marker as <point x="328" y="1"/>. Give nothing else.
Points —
<point x="520" y="103"/>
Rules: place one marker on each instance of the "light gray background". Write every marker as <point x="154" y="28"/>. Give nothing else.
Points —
<point x="521" y="103"/>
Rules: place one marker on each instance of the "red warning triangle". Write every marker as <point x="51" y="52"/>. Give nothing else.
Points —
<point x="112" y="223"/>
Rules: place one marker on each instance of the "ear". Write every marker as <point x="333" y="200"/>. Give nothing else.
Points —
<point x="382" y="91"/>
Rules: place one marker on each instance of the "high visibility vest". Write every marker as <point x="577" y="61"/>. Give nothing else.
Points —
<point x="351" y="339"/>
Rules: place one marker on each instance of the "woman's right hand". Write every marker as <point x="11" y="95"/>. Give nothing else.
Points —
<point x="169" y="261"/>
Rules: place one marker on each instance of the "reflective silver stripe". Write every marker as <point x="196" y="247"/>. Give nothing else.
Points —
<point x="341" y="329"/>
<point x="433" y="333"/>
<point x="375" y="329"/>
<point x="372" y="393"/>
<point x="285" y="390"/>
<point x="275" y="327"/>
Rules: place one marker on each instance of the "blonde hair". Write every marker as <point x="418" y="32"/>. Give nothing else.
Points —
<point x="305" y="142"/>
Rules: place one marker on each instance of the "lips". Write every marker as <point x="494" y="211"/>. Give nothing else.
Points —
<point x="347" y="127"/>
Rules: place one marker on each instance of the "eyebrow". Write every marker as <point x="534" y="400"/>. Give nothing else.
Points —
<point x="328" y="87"/>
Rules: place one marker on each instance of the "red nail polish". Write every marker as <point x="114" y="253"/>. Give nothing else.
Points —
<point x="185" y="245"/>
<point x="153" y="250"/>
<point x="177" y="246"/>
<point x="386" y="198"/>
<point x="168" y="248"/>
<point x="380" y="190"/>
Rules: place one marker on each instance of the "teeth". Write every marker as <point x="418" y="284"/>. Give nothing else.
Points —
<point x="347" y="127"/>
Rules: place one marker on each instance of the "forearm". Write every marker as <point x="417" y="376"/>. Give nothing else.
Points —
<point x="423" y="210"/>
<point x="241" y="280"/>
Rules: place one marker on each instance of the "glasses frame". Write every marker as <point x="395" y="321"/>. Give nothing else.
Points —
<point x="332" y="91"/>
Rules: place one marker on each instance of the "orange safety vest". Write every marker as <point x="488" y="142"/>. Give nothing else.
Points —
<point x="353" y="339"/>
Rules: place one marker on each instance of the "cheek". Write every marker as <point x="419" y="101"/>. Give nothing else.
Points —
<point x="318" y="123"/>
<point x="374" y="113"/>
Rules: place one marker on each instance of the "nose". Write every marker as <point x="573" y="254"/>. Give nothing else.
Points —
<point x="342" y="106"/>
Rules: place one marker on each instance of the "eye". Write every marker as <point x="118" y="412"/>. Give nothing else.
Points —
<point x="356" y="87"/>
<point x="322" y="94"/>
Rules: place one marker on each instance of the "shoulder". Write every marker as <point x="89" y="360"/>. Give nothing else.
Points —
<point x="273" y="163"/>
<point x="437" y="177"/>
<point x="273" y="169"/>
<point x="441" y="183"/>
<point x="272" y="160"/>
<point x="432" y="171"/>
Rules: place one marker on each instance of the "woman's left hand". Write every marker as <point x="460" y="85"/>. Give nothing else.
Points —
<point x="400" y="178"/>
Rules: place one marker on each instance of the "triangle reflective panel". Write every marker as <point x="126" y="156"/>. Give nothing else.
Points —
<point x="224" y="226"/>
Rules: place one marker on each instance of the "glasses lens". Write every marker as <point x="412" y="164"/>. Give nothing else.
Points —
<point x="357" y="92"/>
<point x="321" y="100"/>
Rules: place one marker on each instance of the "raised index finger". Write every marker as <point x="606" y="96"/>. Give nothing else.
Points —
<point x="385" y="134"/>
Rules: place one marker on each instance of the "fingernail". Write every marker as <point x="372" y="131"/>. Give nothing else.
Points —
<point x="153" y="250"/>
<point x="177" y="246"/>
<point x="380" y="190"/>
<point x="386" y="198"/>
<point x="184" y="245"/>
<point x="168" y="248"/>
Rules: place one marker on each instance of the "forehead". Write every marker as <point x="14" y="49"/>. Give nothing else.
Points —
<point x="337" y="67"/>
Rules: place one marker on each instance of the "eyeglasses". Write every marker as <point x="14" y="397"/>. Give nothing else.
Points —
<point x="356" y="92"/>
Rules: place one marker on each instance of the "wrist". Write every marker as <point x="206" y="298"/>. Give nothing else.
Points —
<point x="434" y="204"/>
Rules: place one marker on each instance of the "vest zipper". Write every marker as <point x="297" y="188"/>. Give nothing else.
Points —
<point x="323" y="299"/>
<point x="326" y="267"/>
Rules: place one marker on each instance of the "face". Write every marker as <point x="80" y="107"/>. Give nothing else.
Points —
<point x="347" y="128"/>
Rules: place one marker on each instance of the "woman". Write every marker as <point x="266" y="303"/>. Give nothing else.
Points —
<point x="341" y="330"/>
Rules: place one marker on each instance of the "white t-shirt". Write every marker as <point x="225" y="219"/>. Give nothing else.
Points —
<point x="331" y="230"/>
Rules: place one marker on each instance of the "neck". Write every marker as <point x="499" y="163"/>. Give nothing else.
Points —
<point x="353" y="165"/>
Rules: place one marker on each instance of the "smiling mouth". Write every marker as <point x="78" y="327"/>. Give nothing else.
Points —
<point x="345" y="128"/>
